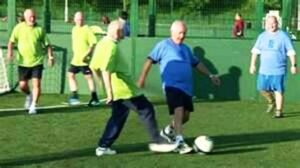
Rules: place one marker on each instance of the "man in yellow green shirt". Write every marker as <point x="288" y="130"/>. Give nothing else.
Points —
<point x="122" y="94"/>
<point x="31" y="41"/>
<point x="83" y="42"/>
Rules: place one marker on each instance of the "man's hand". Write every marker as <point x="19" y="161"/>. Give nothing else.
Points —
<point x="293" y="70"/>
<point x="141" y="83"/>
<point x="215" y="80"/>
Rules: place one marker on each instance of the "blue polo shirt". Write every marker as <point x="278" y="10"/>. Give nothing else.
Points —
<point x="273" y="49"/>
<point x="176" y="63"/>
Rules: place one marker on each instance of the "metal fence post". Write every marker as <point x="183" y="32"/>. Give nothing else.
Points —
<point x="286" y="13"/>
<point x="259" y="15"/>
<point x="152" y="18"/>
<point x="47" y="16"/>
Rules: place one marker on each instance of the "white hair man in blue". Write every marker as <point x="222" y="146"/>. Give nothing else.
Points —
<point x="274" y="48"/>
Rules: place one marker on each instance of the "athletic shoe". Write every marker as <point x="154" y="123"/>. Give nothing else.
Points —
<point x="28" y="101"/>
<point x="270" y="108"/>
<point x="170" y="137"/>
<point x="162" y="147"/>
<point x="74" y="101"/>
<point x="32" y="110"/>
<point x="94" y="102"/>
<point x="278" y="114"/>
<point x="105" y="151"/>
<point x="183" y="148"/>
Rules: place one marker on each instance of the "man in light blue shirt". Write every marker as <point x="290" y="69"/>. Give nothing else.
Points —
<point x="176" y="63"/>
<point x="274" y="47"/>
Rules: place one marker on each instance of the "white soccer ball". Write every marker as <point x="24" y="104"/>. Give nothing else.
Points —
<point x="203" y="144"/>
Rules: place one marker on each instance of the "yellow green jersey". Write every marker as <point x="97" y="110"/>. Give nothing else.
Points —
<point x="106" y="57"/>
<point x="83" y="39"/>
<point x="32" y="43"/>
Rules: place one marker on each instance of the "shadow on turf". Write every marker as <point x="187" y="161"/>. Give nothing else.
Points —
<point x="225" y="142"/>
<point x="87" y="152"/>
<point x="70" y="109"/>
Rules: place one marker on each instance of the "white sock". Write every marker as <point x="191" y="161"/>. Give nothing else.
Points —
<point x="33" y="104"/>
<point x="179" y="139"/>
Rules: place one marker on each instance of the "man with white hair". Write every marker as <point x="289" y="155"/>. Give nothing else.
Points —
<point x="274" y="48"/>
<point x="176" y="62"/>
<point x="32" y="41"/>
<point x="83" y="43"/>
<point x="122" y="94"/>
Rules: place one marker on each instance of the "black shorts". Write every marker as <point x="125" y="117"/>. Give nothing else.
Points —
<point x="76" y="69"/>
<point x="178" y="98"/>
<point x="26" y="73"/>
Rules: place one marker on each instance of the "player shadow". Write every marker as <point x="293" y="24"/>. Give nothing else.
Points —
<point x="203" y="87"/>
<point x="242" y="143"/>
<point x="291" y="114"/>
<point x="230" y="82"/>
<point x="71" y="154"/>
<point x="67" y="109"/>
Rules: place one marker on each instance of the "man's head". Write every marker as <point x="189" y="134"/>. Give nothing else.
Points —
<point x="115" y="30"/>
<point x="30" y="17"/>
<point x="79" y="18"/>
<point x="124" y="15"/>
<point x="178" y="31"/>
<point x="271" y="24"/>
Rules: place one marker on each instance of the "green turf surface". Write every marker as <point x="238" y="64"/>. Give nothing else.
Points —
<point x="244" y="136"/>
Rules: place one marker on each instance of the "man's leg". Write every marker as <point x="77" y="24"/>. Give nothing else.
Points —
<point x="74" y="99"/>
<point x="114" y="125"/>
<point x="94" y="98"/>
<point x="36" y="92"/>
<point x="146" y="114"/>
<point x="279" y="100"/>
<point x="24" y="87"/>
<point x="269" y="96"/>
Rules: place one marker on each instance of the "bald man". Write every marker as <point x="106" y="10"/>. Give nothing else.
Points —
<point x="31" y="40"/>
<point x="122" y="94"/>
<point x="274" y="48"/>
<point x="176" y="61"/>
<point x="83" y="43"/>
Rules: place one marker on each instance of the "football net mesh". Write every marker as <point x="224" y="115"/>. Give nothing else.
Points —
<point x="4" y="84"/>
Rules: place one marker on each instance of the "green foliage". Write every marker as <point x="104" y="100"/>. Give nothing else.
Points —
<point x="273" y="4"/>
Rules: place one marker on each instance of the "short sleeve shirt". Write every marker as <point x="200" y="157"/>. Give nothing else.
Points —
<point x="273" y="49"/>
<point x="82" y="39"/>
<point x="176" y="63"/>
<point x="31" y="43"/>
<point x="106" y="57"/>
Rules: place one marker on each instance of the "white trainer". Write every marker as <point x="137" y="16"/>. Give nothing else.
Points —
<point x="168" y="134"/>
<point x="105" y="151"/>
<point x="32" y="110"/>
<point x="183" y="148"/>
<point x="28" y="101"/>
<point x="162" y="148"/>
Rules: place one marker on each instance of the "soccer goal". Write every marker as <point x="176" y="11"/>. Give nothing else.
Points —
<point x="53" y="80"/>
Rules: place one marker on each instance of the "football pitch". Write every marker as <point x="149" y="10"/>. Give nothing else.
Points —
<point x="66" y="137"/>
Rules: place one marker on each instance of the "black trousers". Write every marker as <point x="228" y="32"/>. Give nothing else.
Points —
<point x="120" y="112"/>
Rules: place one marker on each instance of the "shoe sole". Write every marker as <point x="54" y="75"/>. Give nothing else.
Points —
<point x="162" y="148"/>
<point x="186" y="151"/>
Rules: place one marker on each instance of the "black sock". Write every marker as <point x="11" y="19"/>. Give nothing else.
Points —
<point x="75" y="95"/>
<point x="94" y="96"/>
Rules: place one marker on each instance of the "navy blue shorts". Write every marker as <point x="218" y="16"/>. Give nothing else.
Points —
<point x="76" y="69"/>
<point x="26" y="73"/>
<point x="271" y="83"/>
<point x="178" y="98"/>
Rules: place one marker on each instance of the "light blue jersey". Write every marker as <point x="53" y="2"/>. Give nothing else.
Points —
<point x="176" y="63"/>
<point x="273" y="49"/>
